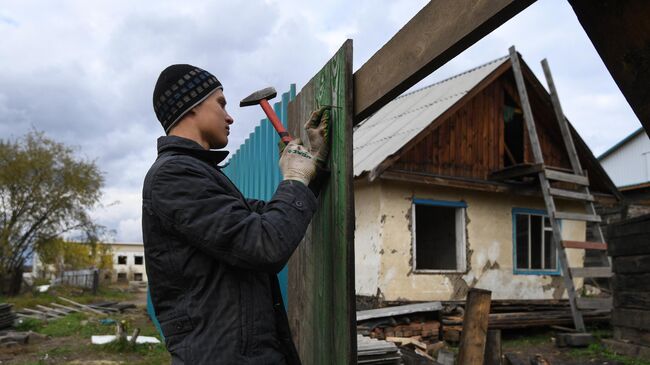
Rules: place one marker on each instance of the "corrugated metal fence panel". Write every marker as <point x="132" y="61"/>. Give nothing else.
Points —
<point x="254" y="166"/>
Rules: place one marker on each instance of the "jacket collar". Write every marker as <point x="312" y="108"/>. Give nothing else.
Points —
<point x="188" y="146"/>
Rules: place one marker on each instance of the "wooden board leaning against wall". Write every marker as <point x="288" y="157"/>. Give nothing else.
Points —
<point x="321" y="271"/>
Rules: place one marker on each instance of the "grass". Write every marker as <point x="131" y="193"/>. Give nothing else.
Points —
<point x="75" y="324"/>
<point x="74" y="332"/>
<point x="600" y="351"/>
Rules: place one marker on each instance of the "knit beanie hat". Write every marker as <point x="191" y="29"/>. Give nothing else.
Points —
<point x="179" y="89"/>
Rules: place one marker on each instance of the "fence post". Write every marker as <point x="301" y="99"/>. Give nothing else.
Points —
<point x="95" y="281"/>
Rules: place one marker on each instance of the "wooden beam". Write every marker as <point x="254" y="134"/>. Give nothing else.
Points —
<point x="515" y="171"/>
<point x="574" y="195"/>
<point x="493" y="348"/>
<point x="435" y="35"/>
<point x="591" y="272"/>
<point x="566" y="177"/>
<point x="620" y="32"/>
<point x="584" y="245"/>
<point x="458" y="182"/>
<point x="475" y="325"/>
<point x="321" y="304"/>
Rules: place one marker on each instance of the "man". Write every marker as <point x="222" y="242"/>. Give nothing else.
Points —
<point x="212" y="255"/>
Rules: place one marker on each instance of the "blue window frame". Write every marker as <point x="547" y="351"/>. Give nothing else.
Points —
<point x="533" y="248"/>
<point x="438" y="236"/>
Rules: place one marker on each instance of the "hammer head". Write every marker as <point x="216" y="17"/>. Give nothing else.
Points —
<point x="254" y="98"/>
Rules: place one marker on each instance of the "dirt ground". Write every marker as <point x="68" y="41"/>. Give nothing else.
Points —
<point x="73" y="346"/>
<point x="525" y="345"/>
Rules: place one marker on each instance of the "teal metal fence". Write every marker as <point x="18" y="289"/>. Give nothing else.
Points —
<point x="254" y="166"/>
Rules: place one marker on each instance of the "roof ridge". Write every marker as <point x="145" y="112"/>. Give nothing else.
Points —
<point x="438" y="83"/>
<point x="454" y="76"/>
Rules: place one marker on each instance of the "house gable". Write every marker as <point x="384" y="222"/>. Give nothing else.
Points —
<point x="486" y="133"/>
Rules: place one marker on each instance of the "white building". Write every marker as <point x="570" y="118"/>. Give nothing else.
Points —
<point x="628" y="162"/>
<point x="128" y="262"/>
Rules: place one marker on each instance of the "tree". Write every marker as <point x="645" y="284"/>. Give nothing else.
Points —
<point x="45" y="192"/>
<point x="66" y="255"/>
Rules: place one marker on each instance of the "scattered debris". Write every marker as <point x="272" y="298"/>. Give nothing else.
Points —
<point x="56" y="310"/>
<point x="42" y="288"/>
<point x="446" y="357"/>
<point x="399" y="310"/>
<point x="7" y="317"/>
<point x="574" y="339"/>
<point x="14" y="338"/>
<point x="102" y="340"/>
<point x="373" y="351"/>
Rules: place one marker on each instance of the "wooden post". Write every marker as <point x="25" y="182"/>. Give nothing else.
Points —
<point x="321" y="272"/>
<point x="475" y="323"/>
<point x="493" y="348"/>
<point x="95" y="285"/>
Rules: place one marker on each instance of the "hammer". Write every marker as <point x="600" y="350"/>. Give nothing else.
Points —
<point x="261" y="97"/>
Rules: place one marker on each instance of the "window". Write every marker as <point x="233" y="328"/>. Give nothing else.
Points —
<point x="121" y="277"/>
<point x="534" y="248"/>
<point x="137" y="276"/>
<point x="438" y="236"/>
<point x="121" y="260"/>
<point x="138" y="260"/>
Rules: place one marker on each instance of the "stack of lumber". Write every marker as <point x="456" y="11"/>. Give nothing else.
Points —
<point x="373" y="351"/>
<point x="7" y="317"/>
<point x="628" y="243"/>
<point x="510" y="314"/>
<point x="58" y="310"/>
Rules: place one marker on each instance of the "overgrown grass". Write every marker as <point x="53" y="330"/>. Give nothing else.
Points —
<point x="75" y="324"/>
<point x="598" y="350"/>
<point x="31" y="299"/>
<point x="79" y="327"/>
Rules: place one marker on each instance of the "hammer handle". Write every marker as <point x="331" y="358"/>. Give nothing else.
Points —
<point x="270" y="113"/>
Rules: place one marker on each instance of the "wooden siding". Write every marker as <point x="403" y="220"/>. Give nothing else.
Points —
<point x="469" y="143"/>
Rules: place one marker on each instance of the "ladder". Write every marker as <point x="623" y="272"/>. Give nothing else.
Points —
<point x="577" y="178"/>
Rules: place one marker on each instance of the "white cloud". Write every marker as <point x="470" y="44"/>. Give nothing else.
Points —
<point x="83" y="72"/>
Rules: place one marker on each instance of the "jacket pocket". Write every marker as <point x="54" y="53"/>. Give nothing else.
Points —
<point x="176" y="326"/>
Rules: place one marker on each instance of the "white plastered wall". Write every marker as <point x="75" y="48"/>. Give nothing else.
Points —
<point x="383" y="245"/>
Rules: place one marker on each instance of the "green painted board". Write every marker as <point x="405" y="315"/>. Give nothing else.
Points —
<point x="321" y="272"/>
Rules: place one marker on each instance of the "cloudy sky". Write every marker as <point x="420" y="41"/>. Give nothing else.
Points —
<point x="83" y="71"/>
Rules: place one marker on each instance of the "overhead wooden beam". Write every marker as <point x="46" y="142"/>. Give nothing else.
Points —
<point x="620" y="32"/>
<point x="436" y="34"/>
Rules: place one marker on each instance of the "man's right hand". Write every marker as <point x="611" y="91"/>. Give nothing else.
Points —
<point x="297" y="163"/>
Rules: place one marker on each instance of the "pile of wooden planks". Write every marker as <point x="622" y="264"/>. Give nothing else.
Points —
<point x="7" y="317"/>
<point x="57" y="310"/>
<point x="414" y="328"/>
<point x="510" y="314"/>
<point x="629" y="246"/>
<point x="377" y="352"/>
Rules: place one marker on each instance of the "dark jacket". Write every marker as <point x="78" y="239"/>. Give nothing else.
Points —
<point x="212" y="257"/>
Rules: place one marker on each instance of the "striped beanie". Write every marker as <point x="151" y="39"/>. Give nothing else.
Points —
<point x="179" y="89"/>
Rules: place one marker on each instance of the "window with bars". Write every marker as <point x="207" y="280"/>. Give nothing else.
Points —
<point x="534" y="249"/>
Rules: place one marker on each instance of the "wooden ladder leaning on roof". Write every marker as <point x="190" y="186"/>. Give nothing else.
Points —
<point x="577" y="178"/>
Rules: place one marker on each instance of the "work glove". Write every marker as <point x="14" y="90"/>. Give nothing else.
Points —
<point x="317" y="128"/>
<point x="297" y="163"/>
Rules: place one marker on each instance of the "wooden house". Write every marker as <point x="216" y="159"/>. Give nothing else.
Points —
<point x="437" y="211"/>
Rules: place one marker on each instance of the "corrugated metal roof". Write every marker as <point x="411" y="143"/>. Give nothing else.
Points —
<point x="394" y="125"/>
